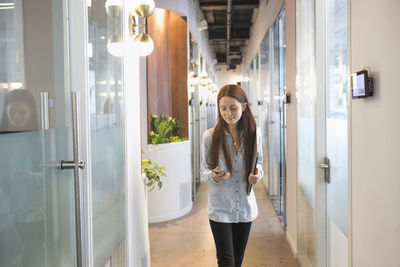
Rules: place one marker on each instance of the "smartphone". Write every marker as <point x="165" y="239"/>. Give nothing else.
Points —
<point x="218" y="172"/>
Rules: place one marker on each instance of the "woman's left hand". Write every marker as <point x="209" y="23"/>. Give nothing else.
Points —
<point x="253" y="177"/>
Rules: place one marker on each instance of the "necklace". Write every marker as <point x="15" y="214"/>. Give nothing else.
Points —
<point x="236" y="143"/>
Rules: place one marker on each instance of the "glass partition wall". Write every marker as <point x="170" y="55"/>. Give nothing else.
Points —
<point x="107" y="134"/>
<point x="272" y="76"/>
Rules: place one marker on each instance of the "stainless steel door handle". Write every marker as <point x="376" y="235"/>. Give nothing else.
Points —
<point x="326" y="167"/>
<point x="66" y="164"/>
<point x="44" y="110"/>
<point x="77" y="164"/>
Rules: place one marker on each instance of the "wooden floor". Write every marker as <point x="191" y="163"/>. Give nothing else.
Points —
<point x="188" y="241"/>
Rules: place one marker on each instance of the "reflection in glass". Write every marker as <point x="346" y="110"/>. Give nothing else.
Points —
<point x="265" y="81"/>
<point x="253" y="80"/>
<point x="11" y="45"/>
<point x="107" y="132"/>
<point x="19" y="112"/>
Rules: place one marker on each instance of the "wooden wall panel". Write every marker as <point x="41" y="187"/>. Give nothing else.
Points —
<point x="178" y="71"/>
<point x="158" y="82"/>
<point x="167" y="68"/>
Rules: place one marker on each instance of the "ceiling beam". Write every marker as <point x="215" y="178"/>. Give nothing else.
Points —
<point x="235" y="25"/>
<point x="223" y="7"/>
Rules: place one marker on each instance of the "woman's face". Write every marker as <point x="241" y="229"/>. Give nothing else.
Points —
<point x="231" y="110"/>
<point x="18" y="113"/>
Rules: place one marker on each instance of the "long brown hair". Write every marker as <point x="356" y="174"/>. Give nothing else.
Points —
<point x="246" y="126"/>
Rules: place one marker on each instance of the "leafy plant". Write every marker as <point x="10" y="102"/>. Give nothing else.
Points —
<point x="175" y="139"/>
<point x="166" y="129"/>
<point x="176" y="127"/>
<point x="153" y="173"/>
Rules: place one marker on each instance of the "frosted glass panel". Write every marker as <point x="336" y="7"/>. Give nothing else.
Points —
<point x="37" y="225"/>
<point x="337" y="133"/>
<point x="106" y="136"/>
<point x="305" y="96"/>
<point x="337" y="110"/>
<point x="108" y="189"/>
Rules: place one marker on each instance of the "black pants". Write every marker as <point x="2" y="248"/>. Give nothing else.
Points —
<point x="230" y="241"/>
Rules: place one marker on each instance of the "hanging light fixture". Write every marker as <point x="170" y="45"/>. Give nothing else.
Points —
<point x="193" y="78"/>
<point x="144" y="8"/>
<point x="142" y="42"/>
<point x="203" y="78"/>
<point x="144" y="45"/>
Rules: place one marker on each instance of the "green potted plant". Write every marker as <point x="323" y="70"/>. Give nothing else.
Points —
<point x="166" y="129"/>
<point x="153" y="173"/>
<point x="169" y="149"/>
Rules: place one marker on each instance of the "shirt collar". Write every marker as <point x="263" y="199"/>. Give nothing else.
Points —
<point x="241" y="135"/>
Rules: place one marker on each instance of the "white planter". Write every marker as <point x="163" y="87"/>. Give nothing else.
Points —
<point x="174" y="199"/>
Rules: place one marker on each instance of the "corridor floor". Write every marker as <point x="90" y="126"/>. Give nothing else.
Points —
<point x="188" y="242"/>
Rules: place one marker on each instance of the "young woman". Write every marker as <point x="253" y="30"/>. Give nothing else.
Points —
<point x="227" y="155"/>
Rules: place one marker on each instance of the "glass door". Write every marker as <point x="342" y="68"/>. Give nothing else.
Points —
<point x="37" y="207"/>
<point x="49" y="217"/>
<point x="336" y="132"/>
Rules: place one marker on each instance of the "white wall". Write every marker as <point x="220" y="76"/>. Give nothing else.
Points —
<point x="265" y="18"/>
<point x="227" y="77"/>
<point x="138" y="247"/>
<point x="375" y="132"/>
<point x="291" y="130"/>
<point x="193" y="13"/>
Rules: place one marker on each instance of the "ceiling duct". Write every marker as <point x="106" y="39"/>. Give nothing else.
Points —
<point x="203" y="25"/>
<point x="228" y="29"/>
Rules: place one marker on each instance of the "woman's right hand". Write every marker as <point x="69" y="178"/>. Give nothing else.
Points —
<point x="220" y="176"/>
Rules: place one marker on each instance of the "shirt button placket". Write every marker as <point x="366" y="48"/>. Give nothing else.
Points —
<point x="237" y="188"/>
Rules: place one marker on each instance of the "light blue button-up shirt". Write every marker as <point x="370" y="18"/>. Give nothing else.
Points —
<point x="228" y="201"/>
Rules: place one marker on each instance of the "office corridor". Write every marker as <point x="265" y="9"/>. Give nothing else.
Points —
<point x="188" y="241"/>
